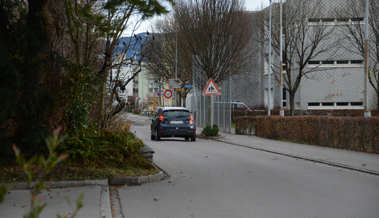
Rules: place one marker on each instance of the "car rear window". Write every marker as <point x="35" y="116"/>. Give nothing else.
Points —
<point x="176" y="113"/>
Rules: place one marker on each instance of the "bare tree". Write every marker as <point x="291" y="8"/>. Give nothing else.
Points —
<point x="213" y="31"/>
<point x="162" y="63"/>
<point x="352" y="13"/>
<point x="305" y="38"/>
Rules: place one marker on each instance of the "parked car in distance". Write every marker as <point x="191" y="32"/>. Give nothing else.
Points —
<point x="173" y="122"/>
<point x="235" y="105"/>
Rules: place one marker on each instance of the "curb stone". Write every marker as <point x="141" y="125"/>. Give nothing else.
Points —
<point x="210" y="137"/>
<point x="58" y="184"/>
<point x="137" y="180"/>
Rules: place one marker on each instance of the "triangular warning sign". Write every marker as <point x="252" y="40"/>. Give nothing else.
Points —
<point x="211" y="88"/>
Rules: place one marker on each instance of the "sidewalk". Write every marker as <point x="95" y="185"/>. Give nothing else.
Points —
<point x="96" y="201"/>
<point x="358" y="161"/>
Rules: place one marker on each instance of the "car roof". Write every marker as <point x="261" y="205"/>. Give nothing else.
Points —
<point x="174" y="108"/>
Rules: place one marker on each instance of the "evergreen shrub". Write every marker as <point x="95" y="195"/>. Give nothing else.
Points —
<point x="208" y="131"/>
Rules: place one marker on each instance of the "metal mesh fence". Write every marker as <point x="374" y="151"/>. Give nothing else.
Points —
<point x="332" y="78"/>
<point x="221" y="107"/>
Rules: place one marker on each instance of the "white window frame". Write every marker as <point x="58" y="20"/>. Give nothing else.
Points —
<point x="335" y="65"/>
<point x="335" y="22"/>
<point x="334" y="107"/>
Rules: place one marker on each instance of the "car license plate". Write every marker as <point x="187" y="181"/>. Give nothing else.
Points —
<point x="176" y="122"/>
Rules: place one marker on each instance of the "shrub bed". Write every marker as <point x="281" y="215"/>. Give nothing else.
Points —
<point x="334" y="113"/>
<point x="352" y="133"/>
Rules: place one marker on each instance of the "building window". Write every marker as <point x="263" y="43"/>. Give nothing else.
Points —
<point x="342" y="104"/>
<point x="313" y="104"/>
<point x="327" y="104"/>
<point x="333" y="21"/>
<point x="314" y="20"/>
<point x="334" y="105"/>
<point x="356" y="103"/>
<point x="342" y="62"/>
<point x="328" y="62"/>
<point x="357" y="19"/>
<point x="328" y="20"/>
<point x="314" y="62"/>
<point x="356" y="62"/>
<point x="338" y="63"/>
<point x="342" y="20"/>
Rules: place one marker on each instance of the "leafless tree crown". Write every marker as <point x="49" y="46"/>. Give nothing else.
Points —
<point x="215" y="33"/>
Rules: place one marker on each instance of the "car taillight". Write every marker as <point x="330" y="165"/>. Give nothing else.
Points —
<point x="191" y="119"/>
<point x="161" y="118"/>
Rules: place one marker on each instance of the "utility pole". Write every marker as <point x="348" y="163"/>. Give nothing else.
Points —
<point x="281" y="59"/>
<point x="367" y="113"/>
<point x="269" y="67"/>
<point x="176" y="61"/>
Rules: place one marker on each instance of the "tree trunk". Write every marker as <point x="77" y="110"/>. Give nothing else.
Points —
<point x="52" y="13"/>
<point x="104" y="73"/>
<point x="292" y="104"/>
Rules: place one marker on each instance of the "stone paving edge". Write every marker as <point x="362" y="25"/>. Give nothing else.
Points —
<point x="137" y="180"/>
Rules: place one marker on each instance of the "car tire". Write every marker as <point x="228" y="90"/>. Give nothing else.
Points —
<point x="152" y="136"/>
<point x="193" y="138"/>
<point x="157" y="137"/>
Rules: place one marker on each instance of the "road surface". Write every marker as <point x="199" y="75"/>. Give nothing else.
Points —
<point x="215" y="179"/>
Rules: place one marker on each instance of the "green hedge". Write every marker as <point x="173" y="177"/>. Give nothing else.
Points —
<point x="352" y="133"/>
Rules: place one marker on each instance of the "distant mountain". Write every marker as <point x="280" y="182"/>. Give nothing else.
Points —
<point x="125" y="41"/>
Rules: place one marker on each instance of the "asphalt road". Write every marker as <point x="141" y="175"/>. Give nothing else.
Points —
<point x="215" y="179"/>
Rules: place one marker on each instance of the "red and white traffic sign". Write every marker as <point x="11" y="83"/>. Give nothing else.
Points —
<point x="168" y="94"/>
<point x="174" y="83"/>
<point x="211" y="88"/>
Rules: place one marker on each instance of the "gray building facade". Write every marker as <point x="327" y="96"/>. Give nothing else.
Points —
<point x="336" y="75"/>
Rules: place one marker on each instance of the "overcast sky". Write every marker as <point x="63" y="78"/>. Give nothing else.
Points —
<point x="250" y="5"/>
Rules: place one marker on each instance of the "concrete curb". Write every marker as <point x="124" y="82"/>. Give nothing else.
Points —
<point x="58" y="184"/>
<point x="137" y="180"/>
<point x="105" y="202"/>
<point x="210" y="137"/>
<point x="372" y="172"/>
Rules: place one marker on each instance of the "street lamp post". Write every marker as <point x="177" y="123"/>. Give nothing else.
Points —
<point x="281" y="59"/>
<point x="176" y="62"/>
<point x="367" y="113"/>
<point x="269" y="67"/>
